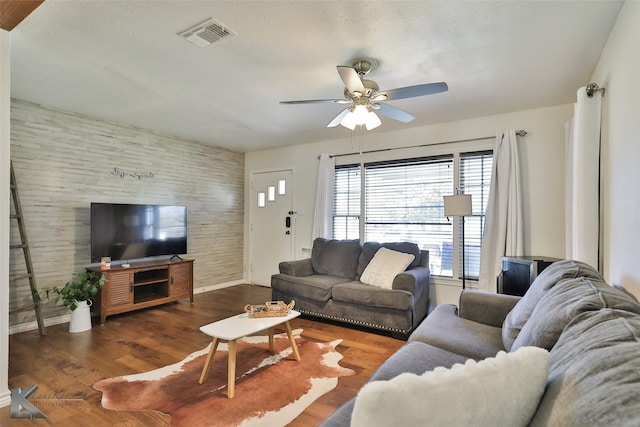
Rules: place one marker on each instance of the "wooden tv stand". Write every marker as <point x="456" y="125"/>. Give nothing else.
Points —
<point x="143" y="285"/>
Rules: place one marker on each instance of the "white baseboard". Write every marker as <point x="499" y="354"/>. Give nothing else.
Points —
<point x="31" y="326"/>
<point x="51" y="321"/>
<point x="204" y="289"/>
<point x="5" y="399"/>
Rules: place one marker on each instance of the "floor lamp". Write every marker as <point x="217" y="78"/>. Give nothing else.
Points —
<point x="459" y="205"/>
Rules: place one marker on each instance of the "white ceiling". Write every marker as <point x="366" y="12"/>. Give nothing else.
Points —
<point x="123" y="61"/>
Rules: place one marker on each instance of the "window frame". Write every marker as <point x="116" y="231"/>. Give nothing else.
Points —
<point x="338" y="204"/>
<point x="479" y="202"/>
<point x="423" y="181"/>
<point x="457" y="150"/>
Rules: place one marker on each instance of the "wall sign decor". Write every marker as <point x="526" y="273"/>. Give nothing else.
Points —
<point x="122" y="173"/>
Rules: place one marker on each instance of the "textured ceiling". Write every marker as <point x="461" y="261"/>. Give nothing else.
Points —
<point x="123" y="61"/>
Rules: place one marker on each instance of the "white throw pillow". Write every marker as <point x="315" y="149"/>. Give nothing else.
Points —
<point x="384" y="267"/>
<point x="499" y="391"/>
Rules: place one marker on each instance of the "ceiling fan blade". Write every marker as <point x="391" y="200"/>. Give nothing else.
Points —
<point x="394" y="113"/>
<point x="337" y="119"/>
<point x="351" y="79"/>
<point x="411" y="91"/>
<point x="318" y="101"/>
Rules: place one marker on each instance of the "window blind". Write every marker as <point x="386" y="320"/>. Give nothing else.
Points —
<point x="346" y="202"/>
<point x="403" y="201"/>
<point x="475" y="179"/>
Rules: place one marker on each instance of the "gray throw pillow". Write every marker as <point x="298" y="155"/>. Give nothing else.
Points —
<point x="335" y="257"/>
<point x="565" y="301"/>
<point x="518" y="316"/>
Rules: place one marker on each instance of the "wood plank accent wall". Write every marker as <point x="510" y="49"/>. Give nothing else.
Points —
<point x="65" y="161"/>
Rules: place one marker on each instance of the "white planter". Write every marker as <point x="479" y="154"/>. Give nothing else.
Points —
<point x="80" y="318"/>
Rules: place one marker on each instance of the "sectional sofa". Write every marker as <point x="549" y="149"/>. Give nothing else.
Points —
<point x="590" y="329"/>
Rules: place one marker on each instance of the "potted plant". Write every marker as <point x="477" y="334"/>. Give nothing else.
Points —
<point x="76" y="294"/>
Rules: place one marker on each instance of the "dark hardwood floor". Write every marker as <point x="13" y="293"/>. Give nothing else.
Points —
<point x="65" y="366"/>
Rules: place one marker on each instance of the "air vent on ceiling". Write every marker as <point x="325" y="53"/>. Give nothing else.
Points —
<point x="206" y="33"/>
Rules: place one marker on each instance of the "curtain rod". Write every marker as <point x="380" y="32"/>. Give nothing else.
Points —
<point x="593" y="88"/>
<point x="520" y="132"/>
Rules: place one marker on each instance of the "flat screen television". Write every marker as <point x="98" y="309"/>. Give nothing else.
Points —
<point x="131" y="231"/>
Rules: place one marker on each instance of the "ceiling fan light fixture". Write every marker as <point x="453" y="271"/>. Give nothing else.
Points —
<point x="349" y="121"/>
<point x="360" y="115"/>
<point x="373" y="121"/>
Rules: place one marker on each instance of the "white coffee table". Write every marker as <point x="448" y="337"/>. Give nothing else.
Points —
<point x="236" y="327"/>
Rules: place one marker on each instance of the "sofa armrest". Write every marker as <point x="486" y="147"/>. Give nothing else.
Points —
<point x="413" y="280"/>
<point x="486" y="308"/>
<point x="424" y="258"/>
<point x="297" y="268"/>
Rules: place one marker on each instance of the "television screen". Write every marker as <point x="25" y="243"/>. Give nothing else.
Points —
<point x="129" y="231"/>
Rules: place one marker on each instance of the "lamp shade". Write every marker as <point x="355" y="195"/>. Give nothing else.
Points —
<point x="457" y="205"/>
<point x="373" y="121"/>
<point x="360" y="115"/>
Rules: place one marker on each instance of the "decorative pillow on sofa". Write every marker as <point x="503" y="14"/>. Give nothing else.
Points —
<point x="369" y="249"/>
<point x="560" y="270"/>
<point x="498" y="391"/>
<point x="565" y="301"/>
<point x="384" y="267"/>
<point x="336" y="257"/>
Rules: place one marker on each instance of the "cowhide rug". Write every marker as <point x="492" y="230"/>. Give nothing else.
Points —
<point x="271" y="389"/>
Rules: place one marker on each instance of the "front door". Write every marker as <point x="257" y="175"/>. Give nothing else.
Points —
<point x="271" y="224"/>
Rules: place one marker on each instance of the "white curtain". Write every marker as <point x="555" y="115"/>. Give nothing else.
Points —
<point x="503" y="230"/>
<point x="568" y="185"/>
<point x="323" y="212"/>
<point x="582" y="194"/>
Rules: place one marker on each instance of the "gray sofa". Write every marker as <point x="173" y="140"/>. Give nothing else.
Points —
<point x="591" y="329"/>
<point x="327" y="285"/>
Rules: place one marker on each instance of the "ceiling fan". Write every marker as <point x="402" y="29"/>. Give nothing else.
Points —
<point x="367" y="98"/>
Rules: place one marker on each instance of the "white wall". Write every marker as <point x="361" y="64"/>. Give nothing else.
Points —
<point x="542" y="162"/>
<point x="618" y="72"/>
<point x="5" y="92"/>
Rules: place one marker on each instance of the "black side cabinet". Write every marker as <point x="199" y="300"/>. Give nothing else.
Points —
<point x="518" y="273"/>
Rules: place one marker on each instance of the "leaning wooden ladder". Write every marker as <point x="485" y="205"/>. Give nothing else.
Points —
<point x="24" y="245"/>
